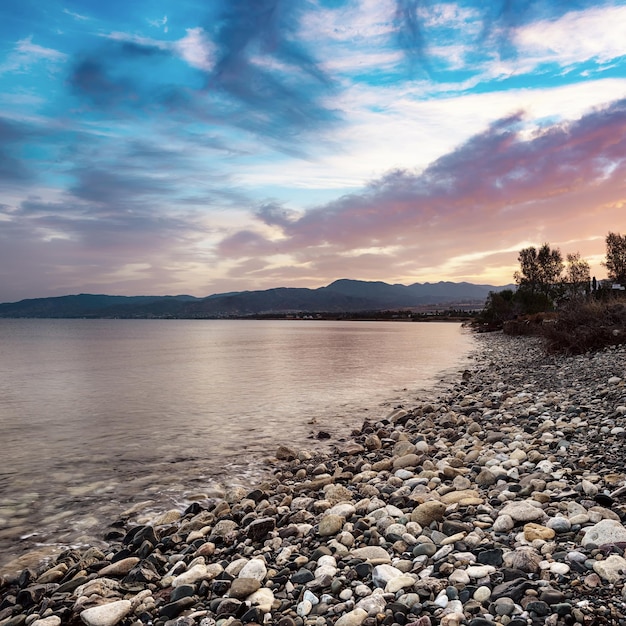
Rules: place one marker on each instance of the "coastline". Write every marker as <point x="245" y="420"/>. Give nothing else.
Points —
<point x="487" y="502"/>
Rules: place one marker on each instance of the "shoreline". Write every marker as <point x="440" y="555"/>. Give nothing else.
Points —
<point x="487" y="502"/>
<point x="66" y="490"/>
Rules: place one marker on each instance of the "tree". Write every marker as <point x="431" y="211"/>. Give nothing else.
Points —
<point x="499" y="307"/>
<point x="577" y="276"/>
<point x="540" y="273"/>
<point x="616" y="258"/>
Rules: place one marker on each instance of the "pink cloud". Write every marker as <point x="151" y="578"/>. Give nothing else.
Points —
<point x="500" y="188"/>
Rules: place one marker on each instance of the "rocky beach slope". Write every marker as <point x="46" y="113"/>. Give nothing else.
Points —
<point x="498" y="501"/>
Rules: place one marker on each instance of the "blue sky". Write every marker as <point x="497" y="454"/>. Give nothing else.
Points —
<point x="200" y="147"/>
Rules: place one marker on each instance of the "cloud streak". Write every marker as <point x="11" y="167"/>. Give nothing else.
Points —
<point x="254" y="73"/>
<point x="498" y="186"/>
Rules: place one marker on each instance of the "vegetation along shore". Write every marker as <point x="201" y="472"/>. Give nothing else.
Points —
<point x="499" y="500"/>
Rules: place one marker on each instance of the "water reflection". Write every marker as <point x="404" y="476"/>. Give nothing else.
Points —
<point x="96" y="413"/>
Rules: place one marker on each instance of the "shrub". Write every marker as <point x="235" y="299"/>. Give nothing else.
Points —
<point x="529" y="325"/>
<point x="587" y="326"/>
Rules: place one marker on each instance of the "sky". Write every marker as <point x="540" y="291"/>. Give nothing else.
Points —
<point x="198" y="147"/>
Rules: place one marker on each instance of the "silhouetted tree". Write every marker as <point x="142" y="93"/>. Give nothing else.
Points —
<point x="539" y="277"/>
<point x="616" y="257"/>
<point x="577" y="276"/>
<point x="500" y="307"/>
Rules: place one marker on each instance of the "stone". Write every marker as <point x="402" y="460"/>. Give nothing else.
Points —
<point x="459" y="576"/>
<point x="373" y="604"/>
<point x="174" y="609"/>
<point x="375" y="555"/>
<point x="589" y="488"/>
<point x="119" y="568"/>
<point x="330" y="525"/>
<point x="241" y="588"/>
<point x="428" y="512"/>
<point x="604" y="532"/>
<point x="337" y="493"/>
<point x="443" y="552"/>
<point x="525" y="559"/>
<point x="222" y="528"/>
<point x="485" y="478"/>
<point x="102" y="587"/>
<point x="513" y="589"/>
<point x="504" y="606"/>
<point x="552" y="596"/>
<point x="522" y="511"/>
<point x="611" y="569"/>
<point x="490" y="557"/>
<point x="254" y="568"/>
<point x="382" y="574"/>
<point x="106" y="614"/>
<point x="407" y="460"/>
<point x="538" y="607"/>
<point x="559" y="524"/>
<point x="561" y="569"/>
<point x="53" y="620"/>
<point x="197" y="572"/>
<point x="302" y="576"/>
<point x="353" y="618"/>
<point x="259" y="529"/>
<point x="534" y="531"/>
<point x="399" y="582"/>
<point x="455" y="618"/>
<point x="342" y="509"/>
<point x="263" y="599"/>
<point x="463" y="496"/>
<point x="206" y="549"/>
<point x="285" y="453"/>
<point x="183" y="591"/>
<point x="503" y="524"/>
<point x="169" y="517"/>
<point x="480" y="571"/>
<point x="373" y="442"/>
<point x="352" y="448"/>
<point x="402" y="448"/>
<point x="304" y="608"/>
<point x="426" y="548"/>
<point x="482" y="594"/>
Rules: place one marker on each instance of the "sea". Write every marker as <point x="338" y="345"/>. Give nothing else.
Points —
<point x="100" y="416"/>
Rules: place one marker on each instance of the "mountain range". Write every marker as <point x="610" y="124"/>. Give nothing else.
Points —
<point x="341" y="296"/>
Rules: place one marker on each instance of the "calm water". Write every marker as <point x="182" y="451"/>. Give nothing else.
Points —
<point x="96" y="415"/>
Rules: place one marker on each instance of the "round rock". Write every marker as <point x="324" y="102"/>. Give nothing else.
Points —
<point x="372" y="554"/>
<point x="522" y="511"/>
<point x="534" y="531"/>
<point x="255" y="568"/>
<point x="611" y="569"/>
<point x="606" y="531"/>
<point x="428" y="512"/>
<point x="330" y="525"/>
<point x="241" y="588"/>
<point x="354" y="618"/>
<point x="106" y="614"/>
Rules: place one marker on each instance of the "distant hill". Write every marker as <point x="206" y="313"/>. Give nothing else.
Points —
<point x="340" y="296"/>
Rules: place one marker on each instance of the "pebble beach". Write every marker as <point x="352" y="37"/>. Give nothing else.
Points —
<point x="501" y="499"/>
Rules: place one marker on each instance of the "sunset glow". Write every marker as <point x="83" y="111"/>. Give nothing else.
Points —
<point x="182" y="147"/>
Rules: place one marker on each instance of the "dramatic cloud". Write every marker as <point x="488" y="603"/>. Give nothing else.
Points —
<point x="256" y="74"/>
<point x="262" y="66"/>
<point x="239" y="144"/>
<point x="498" y="185"/>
